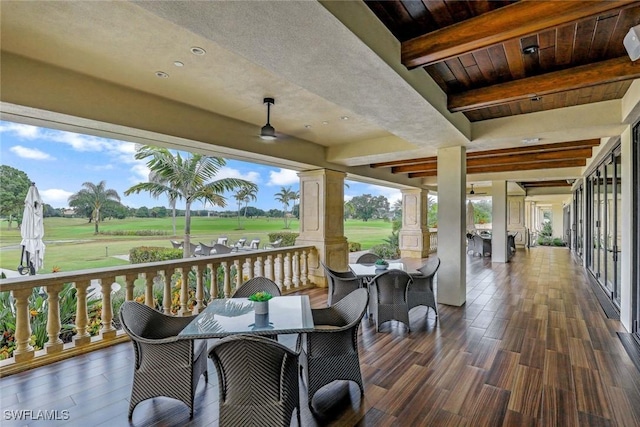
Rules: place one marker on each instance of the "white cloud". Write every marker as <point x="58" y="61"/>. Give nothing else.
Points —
<point x="55" y="197"/>
<point x="283" y="177"/>
<point x="30" y="153"/>
<point x="140" y="173"/>
<point x="20" y="130"/>
<point x="391" y="194"/>
<point x="227" y="172"/>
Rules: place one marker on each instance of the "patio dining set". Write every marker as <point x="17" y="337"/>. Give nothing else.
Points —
<point x="259" y="378"/>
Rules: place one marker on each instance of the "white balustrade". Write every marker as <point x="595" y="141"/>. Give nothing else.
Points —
<point x="288" y="267"/>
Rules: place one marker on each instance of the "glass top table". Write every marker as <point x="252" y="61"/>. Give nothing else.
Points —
<point x="224" y="317"/>
<point x="370" y="270"/>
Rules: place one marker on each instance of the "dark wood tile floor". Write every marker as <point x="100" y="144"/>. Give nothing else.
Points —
<point x="531" y="347"/>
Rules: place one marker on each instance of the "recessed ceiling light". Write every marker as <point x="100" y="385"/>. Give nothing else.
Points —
<point x="530" y="140"/>
<point x="536" y="98"/>
<point x="198" y="51"/>
<point x="344" y="118"/>
<point x="162" y="74"/>
<point x="307" y="126"/>
<point x="325" y="122"/>
<point x="178" y="63"/>
<point x="528" y="50"/>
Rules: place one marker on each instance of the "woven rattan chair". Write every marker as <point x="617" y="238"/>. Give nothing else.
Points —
<point x="330" y="353"/>
<point x="240" y="243"/>
<point x="205" y="250"/>
<point x="258" y="381"/>
<point x="254" y="244"/>
<point x="420" y="290"/>
<point x="257" y="284"/>
<point x="389" y="297"/>
<point x="367" y="258"/>
<point x="221" y="249"/>
<point x="341" y="284"/>
<point x="164" y="365"/>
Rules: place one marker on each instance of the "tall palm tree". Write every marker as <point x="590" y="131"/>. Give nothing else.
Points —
<point x="188" y="178"/>
<point x="244" y="195"/>
<point x="154" y="177"/>
<point x="285" y="196"/>
<point x="95" y="196"/>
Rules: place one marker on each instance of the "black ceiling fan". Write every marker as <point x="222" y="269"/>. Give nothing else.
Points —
<point x="473" y="192"/>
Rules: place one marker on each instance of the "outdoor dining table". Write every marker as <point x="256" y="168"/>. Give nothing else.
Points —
<point x="368" y="271"/>
<point x="224" y="317"/>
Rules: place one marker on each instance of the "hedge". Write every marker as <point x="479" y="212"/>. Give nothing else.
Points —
<point x="143" y="254"/>
<point x="288" y="238"/>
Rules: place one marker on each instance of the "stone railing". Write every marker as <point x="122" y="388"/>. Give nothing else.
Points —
<point x="221" y="274"/>
<point x="433" y="241"/>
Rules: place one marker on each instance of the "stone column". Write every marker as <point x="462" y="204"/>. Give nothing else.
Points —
<point x="414" y="235"/>
<point x="499" y="222"/>
<point x="322" y="221"/>
<point x="452" y="284"/>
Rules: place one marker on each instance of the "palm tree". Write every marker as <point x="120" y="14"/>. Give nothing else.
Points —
<point x="95" y="196"/>
<point x="244" y="195"/>
<point x="188" y="178"/>
<point x="284" y="196"/>
<point x="154" y="177"/>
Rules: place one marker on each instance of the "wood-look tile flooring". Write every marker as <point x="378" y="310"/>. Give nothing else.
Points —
<point x="530" y="347"/>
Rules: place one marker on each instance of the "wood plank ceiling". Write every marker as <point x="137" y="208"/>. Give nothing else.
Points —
<point x="503" y="58"/>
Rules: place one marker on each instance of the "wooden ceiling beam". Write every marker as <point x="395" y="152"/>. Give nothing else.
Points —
<point x="404" y="162"/>
<point x="511" y="167"/>
<point x="506" y="159"/>
<point x="610" y="71"/>
<point x="537" y="148"/>
<point x="509" y="22"/>
<point x="542" y="184"/>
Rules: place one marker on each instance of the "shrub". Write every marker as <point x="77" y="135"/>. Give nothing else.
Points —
<point x="143" y="254"/>
<point x="385" y="251"/>
<point x="288" y="238"/>
<point x="558" y="242"/>
<point x="354" y="247"/>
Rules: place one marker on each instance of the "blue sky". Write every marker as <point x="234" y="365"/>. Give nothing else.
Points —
<point x="59" y="162"/>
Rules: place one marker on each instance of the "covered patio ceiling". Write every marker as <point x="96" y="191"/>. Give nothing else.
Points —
<point x="345" y="96"/>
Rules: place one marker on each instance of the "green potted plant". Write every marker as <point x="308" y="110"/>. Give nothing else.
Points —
<point x="381" y="264"/>
<point x="261" y="301"/>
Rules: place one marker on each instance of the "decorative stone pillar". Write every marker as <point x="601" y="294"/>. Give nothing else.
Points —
<point x="452" y="218"/>
<point x="322" y="221"/>
<point x="414" y="235"/>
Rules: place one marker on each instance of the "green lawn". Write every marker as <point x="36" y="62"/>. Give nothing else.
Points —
<point x="71" y="244"/>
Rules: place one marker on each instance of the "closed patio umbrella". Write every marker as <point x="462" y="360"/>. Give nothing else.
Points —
<point x="471" y="226"/>
<point x="32" y="231"/>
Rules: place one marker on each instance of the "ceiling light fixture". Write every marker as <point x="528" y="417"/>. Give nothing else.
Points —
<point x="528" y="50"/>
<point x="178" y="63"/>
<point x="530" y="140"/>
<point x="472" y="192"/>
<point x="268" y="133"/>
<point x="344" y="118"/>
<point x="632" y="42"/>
<point x="198" y="51"/>
<point x="162" y="74"/>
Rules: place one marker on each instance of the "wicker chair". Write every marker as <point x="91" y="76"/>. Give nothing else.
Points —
<point x="221" y="249"/>
<point x="222" y="240"/>
<point x="482" y="246"/>
<point x="254" y="244"/>
<point x="330" y="353"/>
<point x="194" y="250"/>
<point x="420" y="291"/>
<point x="240" y="243"/>
<point x="274" y="245"/>
<point x="176" y="244"/>
<point x="164" y="365"/>
<point x="205" y="250"/>
<point x="341" y="284"/>
<point x="367" y="258"/>
<point x="389" y="297"/>
<point x="258" y="381"/>
<point x="257" y="284"/>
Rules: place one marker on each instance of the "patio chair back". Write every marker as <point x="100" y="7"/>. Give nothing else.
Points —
<point x="255" y="244"/>
<point x="257" y="284"/>
<point x="160" y="356"/>
<point x="222" y="240"/>
<point x="205" y="250"/>
<point x="420" y="291"/>
<point x="331" y="350"/>
<point x="389" y="297"/>
<point x="240" y="243"/>
<point x="341" y="284"/>
<point x="258" y="381"/>
<point x="221" y="249"/>
<point x="367" y="258"/>
<point x="176" y="244"/>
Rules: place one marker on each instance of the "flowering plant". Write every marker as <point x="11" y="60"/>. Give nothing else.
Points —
<point x="260" y="296"/>
<point x="381" y="262"/>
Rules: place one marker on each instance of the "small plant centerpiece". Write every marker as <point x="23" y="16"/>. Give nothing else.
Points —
<point x="261" y="301"/>
<point x="381" y="264"/>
